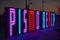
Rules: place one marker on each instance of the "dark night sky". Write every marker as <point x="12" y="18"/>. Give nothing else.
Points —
<point x="49" y="5"/>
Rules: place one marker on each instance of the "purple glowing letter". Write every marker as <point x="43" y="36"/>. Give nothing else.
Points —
<point x="12" y="19"/>
<point x="46" y="19"/>
<point x="37" y="20"/>
<point x="25" y="20"/>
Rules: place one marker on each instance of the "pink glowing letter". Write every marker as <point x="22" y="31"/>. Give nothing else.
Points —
<point x="12" y="19"/>
<point x="25" y="20"/>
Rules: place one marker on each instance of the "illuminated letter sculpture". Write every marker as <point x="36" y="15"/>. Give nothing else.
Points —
<point x="46" y="19"/>
<point x="19" y="21"/>
<point x="37" y="20"/>
<point x="49" y="19"/>
<point x="43" y="20"/>
<point x="12" y="19"/>
<point x="25" y="20"/>
<point x="31" y="20"/>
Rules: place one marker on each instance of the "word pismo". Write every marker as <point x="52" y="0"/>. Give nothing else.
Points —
<point x="18" y="21"/>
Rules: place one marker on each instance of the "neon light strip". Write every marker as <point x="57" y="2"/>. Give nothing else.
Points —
<point x="46" y="19"/>
<point x="37" y="20"/>
<point x="43" y="17"/>
<point x="12" y="22"/>
<point x="25" y="21"/>
<point x="19" y="21"/>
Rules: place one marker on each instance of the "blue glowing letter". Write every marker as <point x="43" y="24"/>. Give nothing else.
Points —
<point x="19" y="21"/>
<point x="43" y="21"/>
